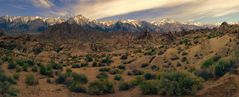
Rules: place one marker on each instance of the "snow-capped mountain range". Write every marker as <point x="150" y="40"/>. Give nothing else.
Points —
<point x="41" y="24"/>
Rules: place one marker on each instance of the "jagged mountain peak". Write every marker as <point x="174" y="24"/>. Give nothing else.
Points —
<point x="163" y="21"/>
<point x="79" y="19"/>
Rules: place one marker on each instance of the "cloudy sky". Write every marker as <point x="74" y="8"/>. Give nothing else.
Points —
<point x="207" y="11"/>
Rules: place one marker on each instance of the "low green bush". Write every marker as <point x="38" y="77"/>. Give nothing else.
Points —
<point x="104" y="69"/>
<point x="179" y="83"/>
<point x="204" y="73"/>
<point x="68" y="77"/>
<point x="46" y="70"/>
<point x="144" y="65"/>
<point x="124" y="86"/>
<point x="31" y="80"/>
<point x="89" y="58"/>
<point x="118" y="77"/>
<point x="100" y="87"/>
<point x="74" y="86"/>
<point x="115" y="71"/>
<point x="209" y="62"/>
<point x="35" y="68"/>
<point x="11" y="65"/>
<point x="54" y="65"/>
<point x="149" y="76"/>
<point x="102" y="76"/>
<point x="149" y="87"/>
<point x="222" y="67"/>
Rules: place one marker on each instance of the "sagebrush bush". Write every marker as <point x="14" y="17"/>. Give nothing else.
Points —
<point x="25" y="67"/>
<point x="222" y="67"/>
<point x="104" y="69"/>
<point x="178" y="83"/>
<point x="144" y="65"/>
<point x="149" y="76"/>
<point x="149" y="87"/>
<point x="61" y="78"/>
<point x="79" y="78"/>
<point x="209" y="62"/>
<point x="100" y="87"/>
<point x="31" y="80"/>
<point x="11" y="65"/>
<point x="124" y="86"/>
<point x="75" y="86"/>
<point x="68" y="77"/>
<point x="137" y="80"/>
<point x="204" y="73"/>
<point x="75" y="66"/>
<point x="46" y="70"/>
<point x="89" y="58"/>
<point x="115" y="71"/>
<point x="102" y="75"/>
<point x="118" y="77"/>
<point x="54" y="65"/>
<point x="35" y="68"/>
<point x="124" y="57"/>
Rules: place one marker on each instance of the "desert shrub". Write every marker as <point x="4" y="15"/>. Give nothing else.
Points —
<point x="124" y="86"/>
<point x="73" y="81"/>
<point x="76" y="66"/>
<point x="150" y="52"/>
<point x="84" y="64"/>
<point x="54" y="65"/>
<point x="144" y="65"/>
<point x="137" y="80"/>
<point x="204" y="73"/>
<point x="184" y="41"/>
<point x="94" y="64"/>
<point x="11" y="65"/>
<point x="121" y="66"/>
<point x="135" y="72"/>
<point x="61" y="78"/>
<point x="24" y="62"/>
<point x="184" y="59"/>
<point x="80" y="78"/>
<point x="149" y="87"/>
<point x="104" y="69"/>
<point x="107" y="60"/>
<point x="15" y="76"/>
<point x="89" y="58"/>
<point x="76" y="87"/>
<point x="222" y="67"/>
<point x="149" y="76"/>
<point x="115" y="71"/>
<point x="46" y="70"/>
<point x="209" y="62"/>
<point x="35" y="68"/>
<point x="79" y="65"/>
<point x="118" y="77"/>
<point x="100" y="87"/>
<point x="18" y="68"/>
<point x="102" y="76"/>
<point x="154" y="68"/>
<point x="178" y="83"/>
<point x="68" y="77"/>
<point x="124" y="57"/>
<point x="31" y="80"/>
<point x="25" y="67"/>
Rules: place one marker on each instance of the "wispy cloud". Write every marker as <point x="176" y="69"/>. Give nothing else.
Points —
<point x="98" y="9"/>
<point x="42" y="3"/>
<point x="184" y="10"/>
